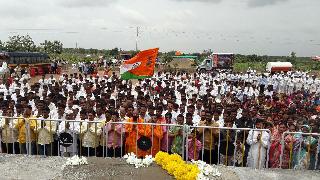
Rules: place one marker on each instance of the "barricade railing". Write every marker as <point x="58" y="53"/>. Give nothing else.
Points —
<point x="227" y="142"/>
<point x="215" y="145"/>
<point x="303" y="150"/>
<point x="9" y="136"/>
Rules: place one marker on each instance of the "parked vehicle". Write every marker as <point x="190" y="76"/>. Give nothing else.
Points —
<point x="38" y="63"/>
<point x="24" y="58"/>
<point x="273" y="67"/>
<point x="217" y="62"/>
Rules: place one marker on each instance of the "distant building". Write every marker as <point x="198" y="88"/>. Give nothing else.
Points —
<point x="316" y="58"/>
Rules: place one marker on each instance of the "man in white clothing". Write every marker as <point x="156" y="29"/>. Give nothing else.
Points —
<point x="258" y="141"/>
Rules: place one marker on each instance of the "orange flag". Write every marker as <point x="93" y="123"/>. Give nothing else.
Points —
<point x="141" y="66"/>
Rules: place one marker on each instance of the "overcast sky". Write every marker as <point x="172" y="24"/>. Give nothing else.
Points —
<point x="265" y="27"/>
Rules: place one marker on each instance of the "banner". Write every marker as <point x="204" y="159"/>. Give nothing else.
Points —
<point x="141" y="66"/>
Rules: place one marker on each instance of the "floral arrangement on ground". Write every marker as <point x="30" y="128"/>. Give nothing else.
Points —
<point x="76" y="161"/>
<point x="181" y="170"/>
<point x="132" y="159"/>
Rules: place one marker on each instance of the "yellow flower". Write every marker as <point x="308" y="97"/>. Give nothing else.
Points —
<point x="175" y="166"/>
<point x="172" y="167"/>
<point x="175" y="157"/>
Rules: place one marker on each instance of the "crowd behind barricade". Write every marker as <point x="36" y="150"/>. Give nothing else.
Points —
<point x="194" y="115"/>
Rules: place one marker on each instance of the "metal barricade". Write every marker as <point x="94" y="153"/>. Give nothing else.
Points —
<point x="302" y="152"/>
<point x="230" y="143"/>
<point x="9" y="135"/>
<point x="31" y="131"/>
<point x="130" y="132"/>
<point x="114" y="139"/>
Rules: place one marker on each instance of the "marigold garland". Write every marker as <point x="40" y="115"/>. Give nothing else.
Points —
<point x="175" y="166"/>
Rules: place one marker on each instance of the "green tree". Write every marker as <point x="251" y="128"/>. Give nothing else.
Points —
<point x="82" y="51"/>
<point x="254" y="58"/>
<point x="114" y="52"/>
<point x="93" y="51"/>
<point x="20" y="43"/>
<point x="292" y="58"/>
<point x="52" y="47"/>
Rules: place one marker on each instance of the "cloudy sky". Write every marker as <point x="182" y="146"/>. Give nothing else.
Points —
<point x="265" y="27"/>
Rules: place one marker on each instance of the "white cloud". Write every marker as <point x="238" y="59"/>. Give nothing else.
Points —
<point x="259" y="3"/>
<point x="85" y="3"/>
<point x="131" y="16"/>
<point x="209" y="1"/>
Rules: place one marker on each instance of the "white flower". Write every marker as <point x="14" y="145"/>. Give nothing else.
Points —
<point x="206" y="171"/>
<point x="132" y="159"/>
<point x="76" y="161"/>
<point x="147" y="160"/>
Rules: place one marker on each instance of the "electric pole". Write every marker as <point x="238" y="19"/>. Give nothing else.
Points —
<point x="137" y="38"/>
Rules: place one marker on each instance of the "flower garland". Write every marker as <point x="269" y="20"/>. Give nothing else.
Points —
<point x="132" y="159"/>
<point x="76" y="161"/>
<point x="181" y="170"/>
<point x="175" y="166"/>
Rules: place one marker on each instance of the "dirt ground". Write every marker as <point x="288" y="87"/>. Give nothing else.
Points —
<point x="182" y="63"/>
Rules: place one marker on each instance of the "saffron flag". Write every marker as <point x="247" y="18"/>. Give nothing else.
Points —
<point x="141" y="66"/>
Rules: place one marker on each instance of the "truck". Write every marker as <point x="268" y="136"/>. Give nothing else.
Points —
<point x="276" y="67"/>
<point x="38" y="63"/>
<point x="217" y="62"/>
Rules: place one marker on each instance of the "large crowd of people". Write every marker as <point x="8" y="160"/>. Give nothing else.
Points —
<point x="191" y="114"/>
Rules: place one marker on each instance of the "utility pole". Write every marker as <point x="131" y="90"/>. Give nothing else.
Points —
<point x="137" y="38"/>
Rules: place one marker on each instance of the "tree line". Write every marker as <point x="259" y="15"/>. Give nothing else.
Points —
<point x="24" y="43"/>
<point x="55" y="49"/>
